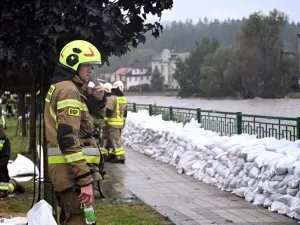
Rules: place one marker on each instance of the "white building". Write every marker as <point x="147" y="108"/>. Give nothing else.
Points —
<point x="138" y="76"/>
<point x="166" y="64"/>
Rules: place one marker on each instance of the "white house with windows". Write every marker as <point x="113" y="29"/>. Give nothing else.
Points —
<point x="166" y="64"/>
<point x="138" y="76"/>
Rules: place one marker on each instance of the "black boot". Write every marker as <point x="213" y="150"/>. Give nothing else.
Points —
<point x="118" y="159"/>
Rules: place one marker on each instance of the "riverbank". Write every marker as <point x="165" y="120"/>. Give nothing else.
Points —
<point x="165" y="94"/>
<point x="293" y="95"/>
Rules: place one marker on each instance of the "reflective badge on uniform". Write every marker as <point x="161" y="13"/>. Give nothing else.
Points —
<point x="73" y="112"/>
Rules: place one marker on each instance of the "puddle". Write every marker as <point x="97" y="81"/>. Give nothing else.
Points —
<point x="111" y="189"/>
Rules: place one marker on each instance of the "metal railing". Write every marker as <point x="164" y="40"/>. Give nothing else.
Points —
<point x="229" y="123"/>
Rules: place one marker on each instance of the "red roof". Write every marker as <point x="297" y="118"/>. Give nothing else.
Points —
<point x="123" y="71"/>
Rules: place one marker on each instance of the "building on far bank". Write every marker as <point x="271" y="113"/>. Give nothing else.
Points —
<point x="138" y="76"/>
<point x="166" y="64"/>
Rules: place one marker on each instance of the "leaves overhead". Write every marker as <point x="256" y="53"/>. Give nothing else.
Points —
<point x="33" y="32"/>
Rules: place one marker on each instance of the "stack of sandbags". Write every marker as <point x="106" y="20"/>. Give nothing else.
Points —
<point x="263" y="171"/>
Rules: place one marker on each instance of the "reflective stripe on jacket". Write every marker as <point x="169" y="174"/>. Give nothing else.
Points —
<point x="118" y="105"/>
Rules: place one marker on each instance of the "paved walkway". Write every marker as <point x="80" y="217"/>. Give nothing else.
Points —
<point x="185" y="200"/>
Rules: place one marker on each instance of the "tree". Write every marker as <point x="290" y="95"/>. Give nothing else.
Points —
<point x="189" y="76"/>
<point x="41" y="29"/>
<point x="258" y="60"/>
<point x="157" y="80"/>
<point x="213" y="82"/>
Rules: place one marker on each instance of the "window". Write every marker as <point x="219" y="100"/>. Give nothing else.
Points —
<point x="148" y="77"/>
<point x="129" y="78"/>
<point x="136" y="78"/>
<point x="142" y="77"/>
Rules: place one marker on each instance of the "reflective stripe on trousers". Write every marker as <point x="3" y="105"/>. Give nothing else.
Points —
<point x="91" y="155"/>
<point x="3" y="186"/>
<point x="118" y="151"/>
<point x="104" y="151"/>
<point x="7" y="187"/>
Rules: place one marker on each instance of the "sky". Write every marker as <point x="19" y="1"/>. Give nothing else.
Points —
<point x="223" y="9"/>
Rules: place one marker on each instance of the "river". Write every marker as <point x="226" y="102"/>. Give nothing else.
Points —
<point x="269" y="107"/>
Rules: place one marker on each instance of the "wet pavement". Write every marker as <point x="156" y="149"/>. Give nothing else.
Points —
<point x="183" y="199"/>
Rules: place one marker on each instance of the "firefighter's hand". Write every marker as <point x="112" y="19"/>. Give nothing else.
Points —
<point x="98" y="91"/>
<point x="86" y="195"/>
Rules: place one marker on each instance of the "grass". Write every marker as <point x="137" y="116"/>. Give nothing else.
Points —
<point x="122" y="213"/>
<point x="293" y="95"/>
<point x="108" y="212"/>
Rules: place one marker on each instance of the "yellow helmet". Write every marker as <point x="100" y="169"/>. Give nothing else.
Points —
<point x="79" y="52"/>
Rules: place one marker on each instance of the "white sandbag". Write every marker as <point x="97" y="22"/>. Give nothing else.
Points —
<point x="249" y="195"/>
<point x="276" y="144"/>
<point x="260" y="185"/>
<point x="259" y="160"/>
<point x="227" y="182"/>
<point x="270" y="186"/>
<point x="254" y="172"/>
<point x="278" y="178"/>
<point x="268" y="158"/>
<point x="256" y="151"/>
<point x="41" y="213"/>
<point x="267" y="202"/>
<point x="240" y="192"/>
<point x="234" y="150"/>
<point x="279" y="207"/>
<point x="233" y="182"/>
<point x="286" y="199"/>
<point x="286" y="179"/>
<point x="295" y="205"/>
<point x="259" y="199"/>
<point x="21" y="166"/>
<point x="248" y="167"/>
<point x="199" y="164"/>
<point x="292" y="191"/>
<point x="282" y="190"/>
<point x="13" y="221"/>
<point x="236" y="170"/>
<point x="217" y="151"/>
<point x="283" y="164"/>
<point x="297" y="173"/>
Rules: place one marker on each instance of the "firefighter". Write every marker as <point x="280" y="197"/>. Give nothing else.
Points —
<point x="73" y="156"/>
<point x="105" y="144"/>
<point x="7" y="185"/>
<point x="116" y="113"/>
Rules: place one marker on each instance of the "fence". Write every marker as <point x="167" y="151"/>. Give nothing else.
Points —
<point x="229" y="123"/>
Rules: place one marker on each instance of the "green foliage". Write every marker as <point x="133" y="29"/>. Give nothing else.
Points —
<point x="157" y="80"/>
<point x="42" y="28"/>
<point x="189" y="75"/>
<point x="256" y="66"/>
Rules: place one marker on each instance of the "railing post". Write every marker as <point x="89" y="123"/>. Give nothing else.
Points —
<point x="199" y="115"/>
<point x="298" y="128"/>
<point x="150" y="110"/>
<point x="171" y="112"/>
<point x="239" y="124"/>
<point x="134" y="107"/>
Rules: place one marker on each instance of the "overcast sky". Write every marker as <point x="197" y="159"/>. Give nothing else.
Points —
<point x="222" y="9"/>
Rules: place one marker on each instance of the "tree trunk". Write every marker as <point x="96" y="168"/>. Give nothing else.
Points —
<point x="32" y="140"/>
<point x="22" y="113"/>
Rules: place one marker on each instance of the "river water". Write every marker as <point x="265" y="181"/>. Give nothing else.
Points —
<point x="269" y="107"/>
